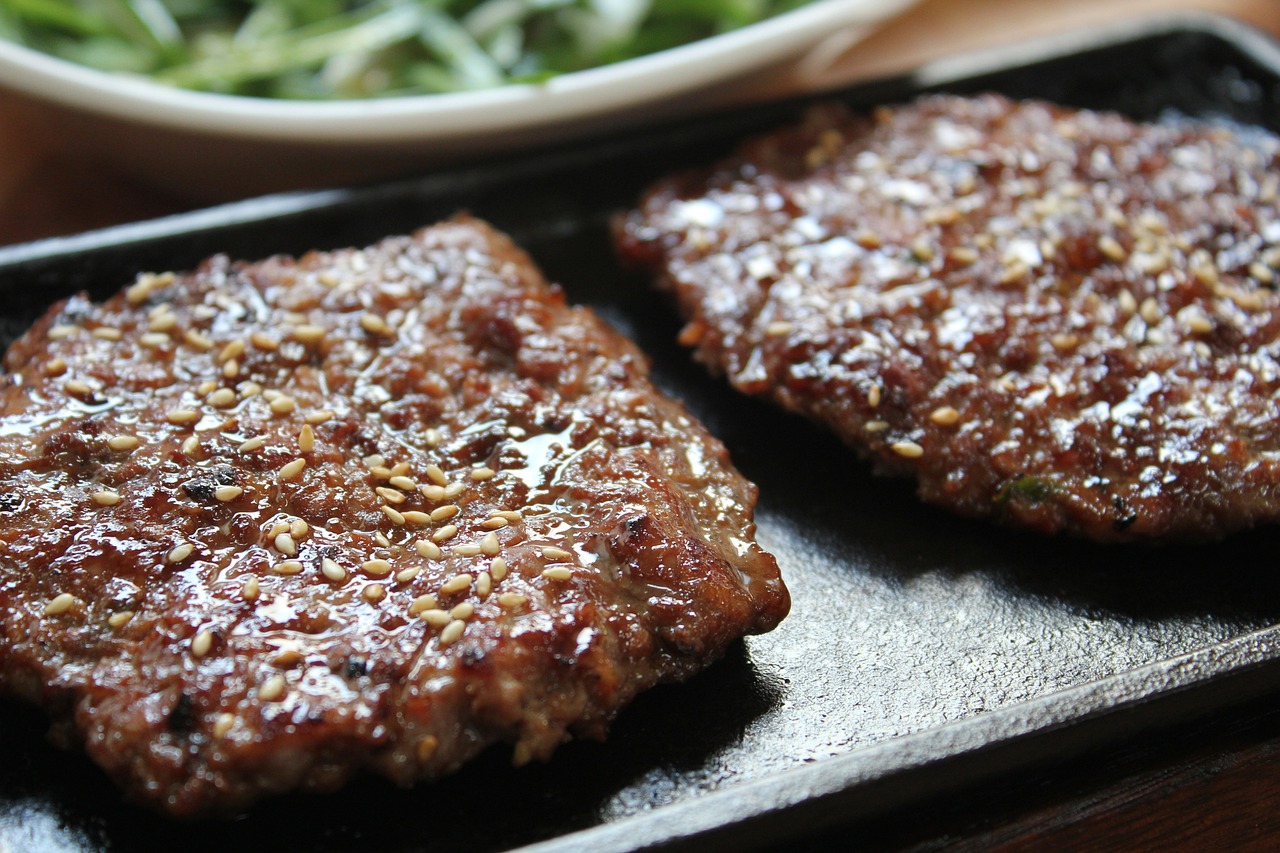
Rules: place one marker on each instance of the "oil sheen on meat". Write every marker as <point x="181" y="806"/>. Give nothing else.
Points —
<point x="1064" y="320"/>
<point x="266" y="525"/>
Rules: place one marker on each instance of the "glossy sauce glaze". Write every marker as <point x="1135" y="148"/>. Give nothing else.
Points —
<point x="1060" y="319"/>
<point x="266" y="524"/>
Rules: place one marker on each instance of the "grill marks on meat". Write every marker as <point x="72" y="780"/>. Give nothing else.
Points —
<point x="266" y="525"/>
<point x="1064" y="320"/>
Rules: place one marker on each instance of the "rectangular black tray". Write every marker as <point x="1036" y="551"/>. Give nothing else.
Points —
<point x="924" y="654"/>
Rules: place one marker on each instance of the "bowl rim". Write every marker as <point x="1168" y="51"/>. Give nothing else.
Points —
<point x="141" y="100"/>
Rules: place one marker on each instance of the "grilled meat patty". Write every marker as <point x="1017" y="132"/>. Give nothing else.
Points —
<point x="1061" y="319"/>
<point x="264" y="525"/>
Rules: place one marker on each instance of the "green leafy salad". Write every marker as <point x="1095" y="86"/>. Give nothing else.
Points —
<point x="309" y="49"/>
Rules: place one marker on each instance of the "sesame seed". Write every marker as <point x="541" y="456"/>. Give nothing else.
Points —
<point x="381" y="539"/>
<point x="414" y="516"/>
<point x="495" y="523"/>
<point x="263" y="341"/>
<point x="1014" y="272"/>
<point x="227" y="493"/>
<point x="873" y="396"/>
<point x="138" y="292"/>
<point x="1110" y="247"/>
<point x="153" y="340"/>
<point x="403" y="483"/>
<point x="285" y="545"/>
<point x="202" y="643"/>
<point x="498" y="568"/>
<point x="445" y="512"/>
<point x="119" y="620"/>
<point x="206" y="387"/>
<point x="231" y="369"/>
<point x="278" y="528"/>
<point x="444" y="533"/>
<point x="180" y="552"/>
<point x="1198" y="323"/>
<point x="1150" y="311"/>
<point x="453" y="490"/>
<point x="482" y="473"/>
<point x="249" y="592"/>
<point x="288" y="567"/>
<point x="557" y="573"/>
<point x="234" y="349"/>
<point x="308" y="334"/>
<point x="390" y="495"/>
<point x="432" y="437"/>
<point x="182" y="416"/>
<point x="55" y="367"/>
<point x="197" y="340"/>
<point x="273" y="690"/>
<point x="123" y="442"/>
<point x="222" y="398"/>
<point x="376" y="568"/>
<point x="422" y="603"/>
<point x="428" y="550"/>
<point x="435" y="617"/>
<point x="331" y="570"/>
<point x="291" y="469"/>
<point x="484" y="584"/>
<point x="509" y="514"/>
<point x="1262" y="273"/>
<point x="107" y="333"/>
<point x="436" y="475"/>
<point x="923" y="250"/>
<point x="374" y="461"/>
<point x="876" y="426"/>
<point x="1064" y="342"/>
<point x="490" y="544"/>
<point x="299" y="528"/>
<point x="373" y="324"/>
<point x="463" y="610"/>
<point x="319" y="417"/>
<point x="452" y="632"/>
<point x="512" y="599"/>
<point x="163" y="321"/>
<point x="306" y="439"/>
<point x="778" y="328"/>
<point x="907" y="449"/>
<point x="106" y="497"/>
<point x="59" y="604"/>
<point x="964" y="255"/>
<point x="432" y="493"/>
<point x="283" y="405"/>
<point x="248" y="389"/>
<point x="406" y="575"/>
<point x="457" y="583"/>
<point x="382" y="472"/>
<point x="75" y="386"/>
<point x="224" y="724"/>
<point x="944" y="415"/>
<point x="57" y="333"/>
<point x="868" y="239"/>
<point x="393" y="514"/>
<point x="374" y="592"/>
<point x="252" y="445"/>
<point x="556" y="554"/>
<point x="466" y="550"/>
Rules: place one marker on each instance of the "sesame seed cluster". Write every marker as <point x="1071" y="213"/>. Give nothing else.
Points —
<point x="1060" y="319"/>
<point x="367" y="509"/>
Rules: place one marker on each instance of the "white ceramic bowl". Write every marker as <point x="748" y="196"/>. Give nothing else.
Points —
<point x="219" y="146"/>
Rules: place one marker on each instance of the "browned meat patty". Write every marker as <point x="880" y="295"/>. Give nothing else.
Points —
<point x="265" y="525"/>
<point x="1063" y="320"/>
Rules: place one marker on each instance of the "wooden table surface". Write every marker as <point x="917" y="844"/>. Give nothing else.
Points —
<point x="1209" y="786"/>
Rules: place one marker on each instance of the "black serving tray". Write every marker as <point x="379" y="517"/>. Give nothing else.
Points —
<point x="925" y="654"/>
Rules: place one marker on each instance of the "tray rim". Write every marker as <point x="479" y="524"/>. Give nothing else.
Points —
<point x="902" y="769"/>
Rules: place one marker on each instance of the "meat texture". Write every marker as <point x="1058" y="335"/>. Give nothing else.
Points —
<point x="1061" y="319"/>
<point x="265" y="525"/>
